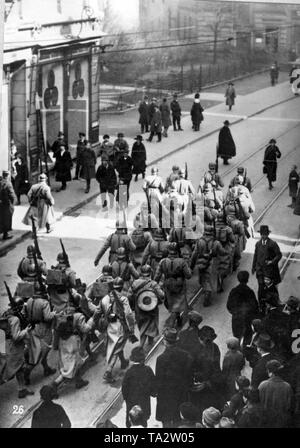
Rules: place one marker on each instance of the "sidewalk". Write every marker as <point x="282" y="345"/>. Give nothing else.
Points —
<point x="73" y="198"/>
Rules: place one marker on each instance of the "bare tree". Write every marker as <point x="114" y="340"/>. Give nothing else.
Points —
<point x="216" y="27"/>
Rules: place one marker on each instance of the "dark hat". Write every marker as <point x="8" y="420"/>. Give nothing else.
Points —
<point x="264" y="229"/>
<point x="264" y="342"/>
<point x="139" y="137"/>
<point x="189" y="412"/>
<point x="5" y="173"/>
<point x="226" y="122"/>
<point x="212" y="165"/>
<point x="60" y="134"/>
<point x="207" y="332"/>
<point x="240" y="170"/>
<point x="293" y="302"/>
<point x="120" y="134"/>
<point x="197" y="95"/>
<point x="81" y="134"/>
<point x="242" y="382"/>
<point x="211" y="416"/>
<point x="273" y="366"/>
<point x="171" y="335"/>
<point x="47" y="393"/>
<point x="137" y="354"/>
<point x="272" y="140"/>
<point x="233" y="343"/>
<point x="106" y="136"/>
<point x="243" y="276"/>
<point x="230" y="83"/>
<point x="195" y="317"/>
<point x="257" y="325"/>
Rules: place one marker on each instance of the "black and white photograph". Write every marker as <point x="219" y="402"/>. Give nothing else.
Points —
<point x="150" y="216"/>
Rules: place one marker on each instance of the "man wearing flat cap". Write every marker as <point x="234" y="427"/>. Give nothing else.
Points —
<point x="267" y="255"/>
<point x="173" y="376"/>
<point x="7" y="200"/>
<point x="49" y="414"/>
<point x="226" y="146"/>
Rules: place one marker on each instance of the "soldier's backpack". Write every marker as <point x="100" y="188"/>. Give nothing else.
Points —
<point x="64" y="324"/>
<point x="138" y="238"/>
<point x="206" y="257"/>
<point x="4" y="322"/>
<point x="221" y="234"/>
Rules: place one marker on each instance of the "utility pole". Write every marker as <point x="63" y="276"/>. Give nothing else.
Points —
<point x="2" y="133"/>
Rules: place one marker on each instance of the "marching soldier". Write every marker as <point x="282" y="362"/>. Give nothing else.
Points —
<point x="233" y="220"/>
<point x="246" y="180"/>
<point x="173" y="176"/>
<point x="40" y="316"/>
<point x="102" y="286"/>
<point x="184" y="188"/>
<point x="27" y="268"/>
<point x="141" y="238"/>
<point x="17" y="330"/>
<point x="60" y="280"/>
<point x="176" y="271"/>
<point x="120" y="328"/>
<point x="121" y="267"/>
<point x="70" y="328"/>
<point x="156" y="250"/>
<point x="144" y="296"/>
<point x="205" y="249"/>
<point x="211" y="177"/>
<point x="224" y="234"/>
<point x="117" y="239"/>
<point x="153" y="186"/>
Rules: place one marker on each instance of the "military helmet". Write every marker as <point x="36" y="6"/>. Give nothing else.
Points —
<point x="172" y="248"/>
<point x="121" y="252"/>
<point x="212" y="166"/>
<point x="158" y="233"/>
<point x="18" y="302"/>
<point x="118" y="283"/>
<point x="240" y="170"/>
<point x="208" y="229"/>
<point x="181" y="171"/>
<point x="60" y="257"/>
<point x="30" y="250"/>
<point x="107" y="269"/>
<point x="154" y="170"/>
<point x="146" y="269"/>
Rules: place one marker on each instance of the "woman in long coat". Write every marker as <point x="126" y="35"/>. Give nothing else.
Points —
<point x="139" y="157"/>
<point x="88" y="162"/>
<point x="144" y="115"/>
<point x="272" y="153"/>
<point x="230" y="95"/>
<point x="226" y="145"/>
<point x="196" y="113"/>
<point x="165" y="116"/>
<point x="22" y="184"/>
<point x="63" y="166"/>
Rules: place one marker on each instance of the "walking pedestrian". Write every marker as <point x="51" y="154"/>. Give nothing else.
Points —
<point x="233" y="363"/>
<point x="63" y="166"/>
<point x="60" y="141"/>
<point x="293" y="185"/>
<point x="272" y="153"/>
<point x="79" y="150"/>
<point x="273" y="74"/>
<point x="267" y="255"/>
<point x="144" y="115"/>
<point x="196" y="113"/>
<point x="138" y="385"/>
<point x="107" y="149"/>
<point x="49" y="414"/>
<point x="124" y="169"/>
<point x="211" y="417"/>
<point x="21" y="184"/>
<point x="165" y="116"/>
<point x="41" y="205"/>
<point x="155" y="125"/>
<point x="88" y="161"/>
<point x="176" y="113"/>
<point x="230" y="95"/>
<point x="139" y="157"/>
<point x="226" y="146"/>
<point x="107" y="179"/>
<point x="7" y="200"/>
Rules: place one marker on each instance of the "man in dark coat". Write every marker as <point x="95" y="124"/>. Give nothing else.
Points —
<point x="138" y="385"/>
<point x="265" y="261"/>
<point x="243" y="307"/>
<point x="139" y="157"/>
<point x="189" y="338"/>
<point x="265" y="347"/>
<point x="88" y="162"/>
<point x="226" y="145"/>
<point x="196" y="113"/>
<point x="144" y="115"/>
<point x="272" y="153"/>
<point x="7" y="200"/>
<point x="63" y="166"/>
<point x="173" y="376"/>
<point x="107" y="179"/>
<point x="124" y="169"/>
<point x="293" y="185"/>
<point x="60" y="141"/>
<point x="155" y="125"/>
<point x="80" y="147"/>
<point x="49" y="414"/>
<point x="21" y="184"/>
<point x="176" y="113"/>
<point x="165" y="116"/>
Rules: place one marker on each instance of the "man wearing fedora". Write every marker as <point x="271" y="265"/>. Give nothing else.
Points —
<point x="267" y="255"/>
<point x="230" y="95"/>
<point x="60" y="141"/>
<point x="139" y="157"/>
<point x="143" y="110"/>
<point x="173" y="377"/>
<point x="7" y="200"/>
<point x="79" y="149"/>
<point x="226" y="146"/>
<point x="271" y="155"/>
<point x="41" y="205"/>
<point x="265" y="347"/>
<point x="138" y="385"/>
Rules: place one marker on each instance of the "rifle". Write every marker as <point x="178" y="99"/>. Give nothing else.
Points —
<point x="186" y="172"/>
<point x="217" y="205"/>
<point x="245" y="177"/>
<point x="22" y="318"/>
<point x="242" y="217"/>
<point x="66" y="257"/>
<point x="34" y="236"/>
<point x="42" y="285"/>
<point x="122" y="317"/>
<point x="217" y="158"/>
